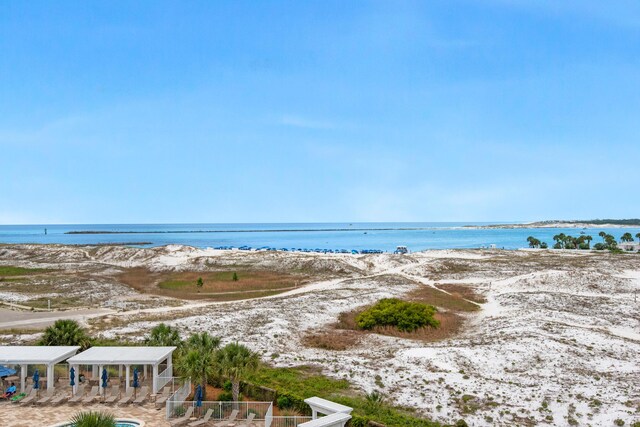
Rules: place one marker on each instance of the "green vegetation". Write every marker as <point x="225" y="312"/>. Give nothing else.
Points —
<point x="293" y="385"/>
<point x="199" y="282"/>
<point x="196" y="358"/>
<point x="534" y="243"/>
<point x="564" y="241"/>
<point x="403" y="315"/>
<point x="65" y="332"/>
<point x="235" y="277"/>
<point x="163" y="335"/>
<point x="8" y="270"/>
<point x="93" y="419"/>
<point x="236" y="362"/>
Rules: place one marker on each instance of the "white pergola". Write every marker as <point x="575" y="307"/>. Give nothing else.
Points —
<point x="35" y="355"/>
<point x="99" y="357"/>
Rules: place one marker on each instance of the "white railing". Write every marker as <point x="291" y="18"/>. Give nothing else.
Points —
<point x="268" y="418"/>
<point x="163" y="378"/>
<point x="221" y="410"/>
<point x="177" y="399"/>
<point x="287" y="421"/>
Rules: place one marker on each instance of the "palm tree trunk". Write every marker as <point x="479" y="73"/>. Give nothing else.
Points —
<point x="204" y="386"/>
<point x="235" y="389"/>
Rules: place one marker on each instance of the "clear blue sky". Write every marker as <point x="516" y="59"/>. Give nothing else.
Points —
<point x="273" y="111"/>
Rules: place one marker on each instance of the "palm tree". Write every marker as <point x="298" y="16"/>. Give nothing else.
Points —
<point x="93" y="419"/>
<point x="560" y="240"/>
<point x="638" y="236"/>
<point x="626" y="237"/>
<point x="235" y="361"/>
<point x="197" y="357"/>
<point x="65" y="332"/>
<point x="163" y="335"/>
<point x="588" y="239"/>
<point x="533" y="242"/>
<point x="603" y="235"/>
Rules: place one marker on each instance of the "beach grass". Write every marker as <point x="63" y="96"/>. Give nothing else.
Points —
<point x="9" y="270"/>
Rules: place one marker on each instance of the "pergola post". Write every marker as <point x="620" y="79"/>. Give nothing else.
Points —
<point x="50" y="384"/>
<point x="23" y="377"/>
<point x="314" y="414"/>
<point x="155" y="379"/>
<point x="170" y="365"/>
<point x="76" y="380"/>
<point x="126" y="376"/>
<point x="94" y="372"/>
<point x="119" y="372"/>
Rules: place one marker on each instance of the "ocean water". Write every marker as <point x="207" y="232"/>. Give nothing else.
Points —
<point x="383" y="236"/>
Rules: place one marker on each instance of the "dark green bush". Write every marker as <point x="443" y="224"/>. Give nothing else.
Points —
<point x="227" y="385"/>
<point x="225" y="396"/>
<point x="406" y="316"/>
<point x="283" y="402"/>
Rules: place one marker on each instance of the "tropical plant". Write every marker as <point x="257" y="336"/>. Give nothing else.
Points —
<point x="235" y="277"/>
<point x="406" y="316"/>
<point x="638" y="236"/>
<point x="200" y="282"/>
<point x="93" y="419"/>
<point x="374" y="401"/>
<point x="163" y="335"/>
<point x="603" y="235"/>
<point x="626" y="237"/>
<point x="235" y="361"/>
<point x="196" y="358"/>
<point x="560" y="240"/>
<point x="65" y="332"/>
<point x="544" y="245"/>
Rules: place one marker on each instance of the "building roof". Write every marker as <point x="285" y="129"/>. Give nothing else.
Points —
<point x="122" y="356"/>
<point x="32" y="355"/>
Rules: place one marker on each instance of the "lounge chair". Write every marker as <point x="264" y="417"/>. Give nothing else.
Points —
<point x="249" y="421"/>
<point x="142" y="395"/>
<point x="204" y="420"/>
<point x="60" y="398"/>
<point x="78" y="396"/>
<point x="115" y="395"/>
<point x="46" y="396"/>
<point x="128" y="397"/>
<point x="162" y="398"/>
<point x="183" y="419"/>
<point x="92" y="395"/>
<point x="232" y="418"/>
<point x="30" y="397"/>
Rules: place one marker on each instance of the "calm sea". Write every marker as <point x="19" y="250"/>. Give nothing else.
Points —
<point x="382" y="236"/>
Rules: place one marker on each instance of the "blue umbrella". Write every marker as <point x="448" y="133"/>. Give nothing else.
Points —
<point x="136" y="384"/>
<point x="199" y="396"/>
<point x="5" y="372"/>
<point x="72" y="377"/>
<point x="105" y="377"/>
<point x="36" y="379"/>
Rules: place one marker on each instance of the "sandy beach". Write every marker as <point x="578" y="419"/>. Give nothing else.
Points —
<point x="555" y="340"/>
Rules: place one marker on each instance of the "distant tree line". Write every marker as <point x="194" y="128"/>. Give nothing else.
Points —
<point x="565" y="241"/>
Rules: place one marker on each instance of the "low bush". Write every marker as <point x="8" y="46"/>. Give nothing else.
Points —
<point x="406" y="316"/>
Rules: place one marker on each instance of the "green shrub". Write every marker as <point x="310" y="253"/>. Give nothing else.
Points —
<point x="619" y="422"/>
<point x="93" y="419"/>
<point x="225" y="396"/>
<point x="283" y="402"/>
<point x="179" y="411"/>
<point x="227" y="385"/>
<point x="358" y="421"/>
<point x="406" y="316"/>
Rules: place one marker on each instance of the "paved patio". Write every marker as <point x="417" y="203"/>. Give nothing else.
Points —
<point x="15" y="415"/>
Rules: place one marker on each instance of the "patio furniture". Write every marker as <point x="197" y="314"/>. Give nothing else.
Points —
<point x="162" y="398"/>
<point x="249" y="421"/>
<point x="184" y="419"/>
<point x="92" y="395"/>
<point x="60" y="398"/>
<point x="115" y="395"/>
<point x="128" y="397"/>
<point x="79" y="395"/>
<point x="231" y="419"/>
<point x="204" y="420"/>
<point x="30" y="397"/>
<point x="142" y="396"/>
<point x="47" y="396"/>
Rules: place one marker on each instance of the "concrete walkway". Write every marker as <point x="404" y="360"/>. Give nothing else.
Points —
<point x="38" y="319"/>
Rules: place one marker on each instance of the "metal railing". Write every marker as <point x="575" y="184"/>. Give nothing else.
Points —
<point x="163" y="378"/>
<point x="221" y="410"/>
<point x="177" y="399"/>
<point x="286" y="421"/>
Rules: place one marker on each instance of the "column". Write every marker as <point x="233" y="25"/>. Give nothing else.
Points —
<point x="155" y="378"/>
<point x="50" y="384"/>
<point x="314" y="414"/>
<point x="126" y="376"/>
<point x="75" y="381"/>
<point x="94" y="372"/>
<point x="170" y="365"/>
<point x="119" y="372"/>
<point x="23" y="377"/>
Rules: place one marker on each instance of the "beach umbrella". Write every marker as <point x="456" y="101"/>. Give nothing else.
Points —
<point x="136" y="384"/>
<point x="199" y="396"/>
<point x="36" y="380"/>
<point x="5" y="372"/>
<point x="105" y="378"/>
<point x="72" y="378"/>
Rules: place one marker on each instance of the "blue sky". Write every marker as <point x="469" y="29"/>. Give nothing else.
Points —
<point x="274" y="111"/>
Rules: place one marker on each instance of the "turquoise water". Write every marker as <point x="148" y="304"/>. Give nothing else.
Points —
<point x="383" y="236"/>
